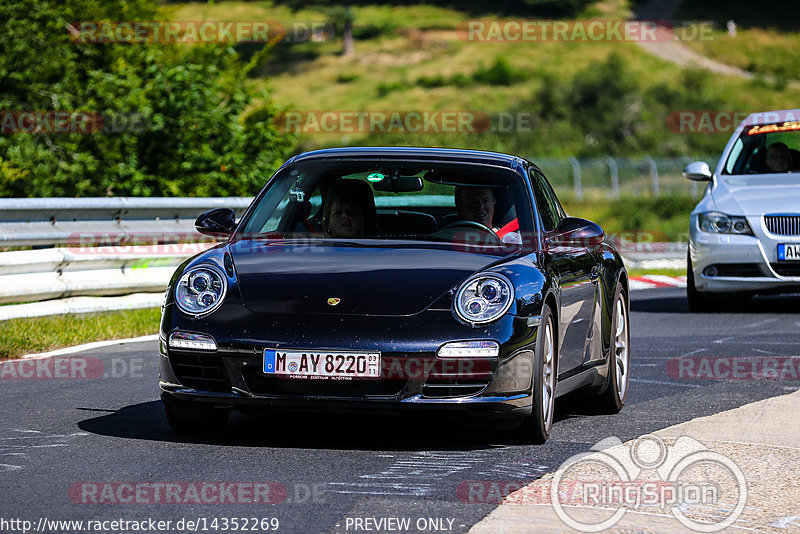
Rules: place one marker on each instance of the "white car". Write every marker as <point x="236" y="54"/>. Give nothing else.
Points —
<point x="744" y="234"/>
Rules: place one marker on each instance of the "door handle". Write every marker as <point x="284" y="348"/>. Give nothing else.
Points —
<point x="594" y="276"/>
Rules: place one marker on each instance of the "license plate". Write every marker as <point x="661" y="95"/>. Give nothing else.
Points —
<point x="322" y="364"/>
<point x="789" y="252"/>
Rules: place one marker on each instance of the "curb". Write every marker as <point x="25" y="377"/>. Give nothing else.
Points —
<point x="653" y="281"/>
<point x="87" y="346"/>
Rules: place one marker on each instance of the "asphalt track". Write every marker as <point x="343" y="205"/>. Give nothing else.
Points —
<point x="60" y="436"/>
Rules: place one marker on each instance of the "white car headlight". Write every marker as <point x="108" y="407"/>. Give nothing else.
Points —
<point x="483" y="298"/>
<point x="200" y="290"/>
<point x="720" y="223"/>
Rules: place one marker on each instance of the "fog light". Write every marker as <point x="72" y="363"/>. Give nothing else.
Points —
<point x="469" y="349"/>
<point x="711" y="271"/>
<point x="186" y="340"/>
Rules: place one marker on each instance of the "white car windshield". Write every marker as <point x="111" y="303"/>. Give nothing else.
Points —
<point x="766" y="149"/>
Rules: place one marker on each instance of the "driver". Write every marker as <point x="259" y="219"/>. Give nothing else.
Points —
<point x="477" y="204"/>
<point x="779" y="158"/>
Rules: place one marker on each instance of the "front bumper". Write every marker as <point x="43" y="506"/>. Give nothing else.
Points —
<point x="232" y="376"/>
<point x="746" y="264"/>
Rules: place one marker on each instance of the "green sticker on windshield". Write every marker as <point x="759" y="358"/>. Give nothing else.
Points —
<point x="375" y="177"/>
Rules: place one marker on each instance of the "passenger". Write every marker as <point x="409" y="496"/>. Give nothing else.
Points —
<point x="779" y="159"/>
<point x="345" y="219"/>
<point x="350" y="210"/>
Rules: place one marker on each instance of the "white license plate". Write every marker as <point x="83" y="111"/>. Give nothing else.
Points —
<point x="322" y="364"/>
<point x="789" y="252"/>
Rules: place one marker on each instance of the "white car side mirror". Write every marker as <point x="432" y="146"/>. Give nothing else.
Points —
<point x="697" y="171"/>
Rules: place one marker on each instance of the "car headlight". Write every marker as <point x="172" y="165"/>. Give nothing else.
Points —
<point x="484" y="298"/>
<point x="200" y="290"/>
<point x="719" y="223"/>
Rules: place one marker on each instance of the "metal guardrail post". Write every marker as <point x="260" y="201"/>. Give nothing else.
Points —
<point x="653" y="175"/>
<point x="576" y="177"/>
<point x="612" y="169"/>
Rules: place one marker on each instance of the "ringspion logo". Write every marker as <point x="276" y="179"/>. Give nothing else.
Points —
<point x="684" y="478"/>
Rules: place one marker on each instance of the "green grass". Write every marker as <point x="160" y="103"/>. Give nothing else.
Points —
<point x="649" y="219"/>
<point x="41" y="334"/>
<point x="766" y="52"/>
<point x="767" y="37"/>
<point x="410" y="58"/>
<point x="633" y="273"/>
<point x="777" y="14"/>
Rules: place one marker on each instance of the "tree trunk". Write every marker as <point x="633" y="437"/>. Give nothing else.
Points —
<point x="349" y="43"/>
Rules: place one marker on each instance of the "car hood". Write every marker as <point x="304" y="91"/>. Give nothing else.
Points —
<point x="757" y="194"/>
<point x="286" y="277"/>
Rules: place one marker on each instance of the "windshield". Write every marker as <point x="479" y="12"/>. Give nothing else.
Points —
<point x="367" y="201"/>
<point x="766" y="149"/>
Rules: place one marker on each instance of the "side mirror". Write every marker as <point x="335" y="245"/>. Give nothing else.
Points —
<point x="697" y="171"/>
<point x="219" y="222"/>
<point x="576" y="232"/>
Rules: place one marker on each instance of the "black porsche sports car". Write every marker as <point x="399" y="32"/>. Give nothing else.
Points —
<point x="397" y="279"/>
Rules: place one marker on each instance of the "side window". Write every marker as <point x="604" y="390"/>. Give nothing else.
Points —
<point x="546" y="202"/>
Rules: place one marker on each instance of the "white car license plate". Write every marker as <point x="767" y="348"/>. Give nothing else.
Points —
<point x="789" y="252"/>
<point x="322" y="364"/>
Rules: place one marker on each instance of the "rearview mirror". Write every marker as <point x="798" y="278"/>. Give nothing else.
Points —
<point x="398" y="184"/>
<point x="576" y="232"/>
<point x="219" y="222"/>
<point x="697" y="171"/>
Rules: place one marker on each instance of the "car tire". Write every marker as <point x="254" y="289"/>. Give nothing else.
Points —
<point x="613" y="398"/>
<point x="698" y="302"/>
<point x="536" y="427"/>
<point x="194" y="419"/>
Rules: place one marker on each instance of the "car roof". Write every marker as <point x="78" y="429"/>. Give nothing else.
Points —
<point x="455" y="155"/>
<point x="772" y="116"/>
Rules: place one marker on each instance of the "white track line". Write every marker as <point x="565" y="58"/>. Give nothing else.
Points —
<point x="89" y="346"/>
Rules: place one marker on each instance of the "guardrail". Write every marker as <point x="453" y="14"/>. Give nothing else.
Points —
<point x="58" y="221"/>
<point x="105" y="254"/>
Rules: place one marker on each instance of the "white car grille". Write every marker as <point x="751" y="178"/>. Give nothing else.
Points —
<point x="782" y="224"/>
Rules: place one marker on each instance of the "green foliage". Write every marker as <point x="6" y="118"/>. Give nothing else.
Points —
<point x="199" y="130"/>
<point x="552" y="8"/>
<point x="557" y="7"/>
<point x="664" y="218"/>
<point x="499" y="73"/>
<point x="610" y="109"/>
<point x="346" y="78"/>
<point x="766" y="14"/>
